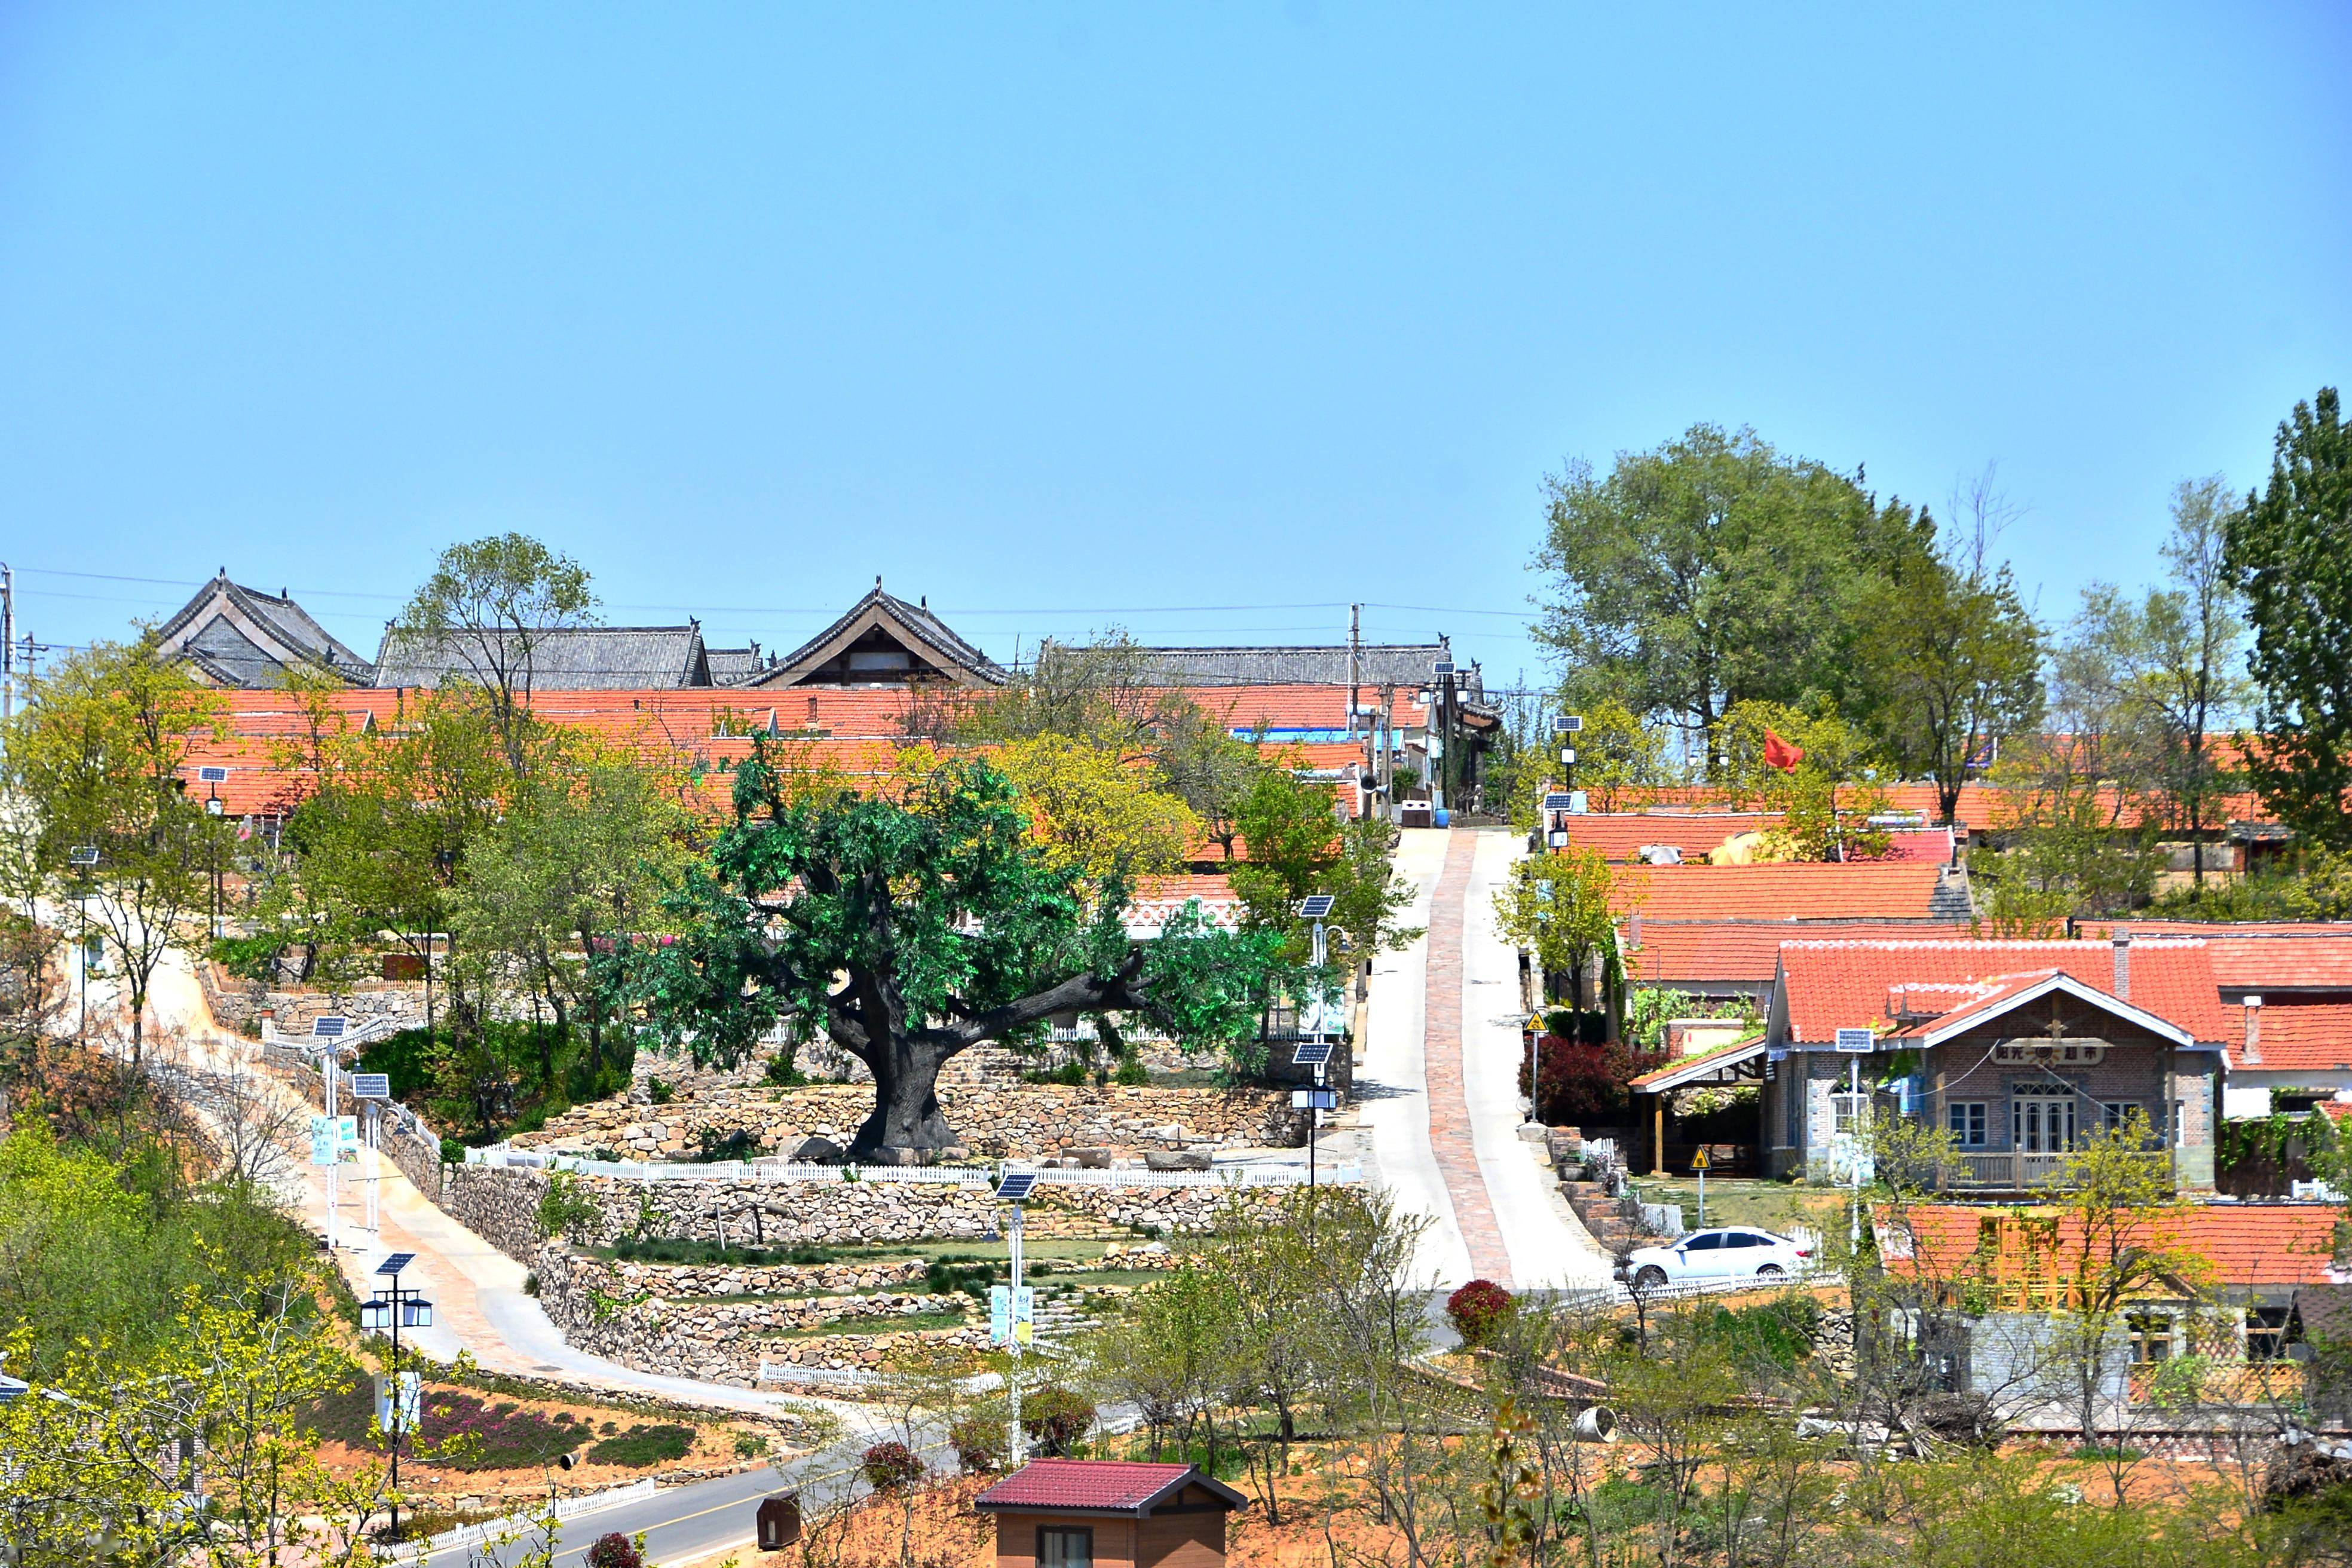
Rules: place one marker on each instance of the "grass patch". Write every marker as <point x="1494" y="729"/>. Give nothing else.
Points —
<point x="483" y="1436"/>
<point x="642" y="1445"/>
<point x="1748" y="1200"/>
<point x="877" y="1323"/>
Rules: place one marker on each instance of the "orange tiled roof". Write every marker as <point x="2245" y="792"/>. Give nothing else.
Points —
<point x="2307" y="1036"/>
<point x="2248" y="1244"/>
<point x="1829" y="986"/>
<point x="2259" y="955"/>
<point x="1623" y="834"/>
<point x="1795" y="892"/>
<point x="1748" y="952"/>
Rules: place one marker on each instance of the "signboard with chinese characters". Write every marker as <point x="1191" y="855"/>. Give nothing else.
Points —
<point x="1860" y="1041"/>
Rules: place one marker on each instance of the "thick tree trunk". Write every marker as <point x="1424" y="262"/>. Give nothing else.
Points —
<point x="905" y="1124"/>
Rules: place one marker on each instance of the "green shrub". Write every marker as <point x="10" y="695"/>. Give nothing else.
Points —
<point x="452" y="1152"/>
<point x="565" y="1209"/>
<point x="659" y="1090"/>
<point x="642" y="1445"/>
<point x="1477" y="1310"/>
<point x="1056" y="1419"/>
<point x="248" y="957"/>
<point x="890" y="1468"/>
<point x="1131" y="1073"/>
<point x="980" y="1445"/>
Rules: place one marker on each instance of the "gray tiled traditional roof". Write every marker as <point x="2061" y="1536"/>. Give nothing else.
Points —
<point x="568" y="658"/>
<point x="240" y="636"/>
<point x="731" y="665"/>
<point x="923" y="633"/>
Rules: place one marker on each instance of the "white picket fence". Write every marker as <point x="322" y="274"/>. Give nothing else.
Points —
<point x="972" y="1176"/>
<point x="510" y="1525"/>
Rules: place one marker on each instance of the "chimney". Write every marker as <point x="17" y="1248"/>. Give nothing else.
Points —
<point x="1633" y="929"/>
<point x="2123" y="966"/>
<point x="2253" y="1052"/>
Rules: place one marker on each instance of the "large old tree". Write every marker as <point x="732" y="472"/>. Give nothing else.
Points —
<point x="910" y="928"/>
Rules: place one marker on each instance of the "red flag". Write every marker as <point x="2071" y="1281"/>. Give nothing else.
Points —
<point x="1778" y="753"/>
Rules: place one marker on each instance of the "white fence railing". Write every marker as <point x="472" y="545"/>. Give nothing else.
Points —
<point x="513" y="1524"/>
<point x="973" y="1176"/>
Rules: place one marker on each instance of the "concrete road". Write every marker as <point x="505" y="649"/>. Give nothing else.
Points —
<point x="1392" y="1077"/>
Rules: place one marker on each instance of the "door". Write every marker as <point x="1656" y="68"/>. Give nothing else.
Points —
<point x="1704" y="1258"/>
<point x="2041" y="1124"/>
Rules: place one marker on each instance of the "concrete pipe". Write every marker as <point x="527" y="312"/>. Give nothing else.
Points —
<point x="1596" y="1424"/>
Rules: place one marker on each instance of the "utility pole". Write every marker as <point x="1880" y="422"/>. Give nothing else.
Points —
<point x="7" y="642"/>
<point x="1355" y="663"/>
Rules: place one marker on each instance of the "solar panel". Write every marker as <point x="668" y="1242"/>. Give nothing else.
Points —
<point x="1559" y="800"/>
<point x="1316" y="907"/>
<point x="395" y="1263"/>
<point x="210" y="774"/>
<point x="371" y="1084"/>
<point x="83" y="855"/>
<point x="1443" y="667"/>
<point x="327" y="1027"/>
<point x="1015" y="1185"/>
<point x="1312" y="1054"/>
<point x="1573" y="724"/>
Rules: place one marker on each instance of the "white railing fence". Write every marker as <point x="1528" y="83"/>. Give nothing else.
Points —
<point x="513" y="1524"/>
<point x="972" y="1176"/>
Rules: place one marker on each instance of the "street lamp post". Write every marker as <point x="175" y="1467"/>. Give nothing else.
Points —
<point x="390" y="1310"/>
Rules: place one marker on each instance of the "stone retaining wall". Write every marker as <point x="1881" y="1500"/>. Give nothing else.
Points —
<point x="683" y="1281"/>
<point x="995" y="1120"/>
<point x="501" y="1206"/>
<point x="717" y="1342"/>
<point x="238" y="1004"/>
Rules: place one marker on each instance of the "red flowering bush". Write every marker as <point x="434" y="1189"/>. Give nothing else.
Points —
<point x="891" y="1467"/>
<point x="614" y="1551"/>
<point x="1584" y="1083"/>
<point x="1477" y="1310"/>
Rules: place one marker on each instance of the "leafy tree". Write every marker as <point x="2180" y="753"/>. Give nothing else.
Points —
<point x="1712" y="571"/>
<point x="97" y="752"/>
<point x="1618" y="757"/>
<point x="1298" y="847"/>
<point x="1953" y="660"/>
<point x="490" y="605"/>
<point x="1817" y="821"/>
<point x="1559" y="908"/>
<point x="2291" y="548"/>
<point x="1206" y="766"/>
<point x="914" y="928"/>
<point x="1097" y="812"/>
<point x="1101" y="693"/>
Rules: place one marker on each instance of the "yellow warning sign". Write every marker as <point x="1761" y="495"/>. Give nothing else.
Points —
<point x="1698" y="1158"/>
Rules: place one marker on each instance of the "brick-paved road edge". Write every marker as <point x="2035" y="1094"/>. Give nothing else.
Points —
<point x="1449" y="1104"/>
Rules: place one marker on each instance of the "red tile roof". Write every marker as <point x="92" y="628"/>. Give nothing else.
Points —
<point x="2248" y="1244"/>
<point x="1829" y="986"/>
<point x="1623" y="834"/>
<point x="1748" y="952"/>
<point x="2269" y="955"/>
<point x="1095" y="1485"/>
<point x="2306" y="1036"/>
<point x="1796" y="891"/>
<point x="1929" y="843"/>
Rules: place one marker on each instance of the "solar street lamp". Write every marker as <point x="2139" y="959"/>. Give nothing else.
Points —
<point x="396" y="1309"/>
<point x="1010" y="1308"/>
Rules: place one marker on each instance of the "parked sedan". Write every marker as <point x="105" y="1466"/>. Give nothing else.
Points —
<point x="1734" y="1252"/>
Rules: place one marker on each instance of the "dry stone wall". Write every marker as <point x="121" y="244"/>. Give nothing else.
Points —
<point x="994" y="1120"/>
<point x="598" y="1310"/>
<point x="238" y="1004"/>
<point x="501" y="1206"/>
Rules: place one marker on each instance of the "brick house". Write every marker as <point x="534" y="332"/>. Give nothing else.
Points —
<point x="1081" y="1513"/>
<point x="2020" y="1049"/>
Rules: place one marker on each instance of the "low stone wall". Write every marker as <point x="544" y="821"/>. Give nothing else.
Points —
<point x="718" y="1342"/>
<point x="847" y="1352"/>
<point x="501" y="1206"/>
<point x="237" y="1003"/>
<point x="994" y="1120"/>
<point x="684" y="1281"/>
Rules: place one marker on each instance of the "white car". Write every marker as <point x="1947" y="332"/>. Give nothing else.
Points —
<point x="1733" y="1252"/>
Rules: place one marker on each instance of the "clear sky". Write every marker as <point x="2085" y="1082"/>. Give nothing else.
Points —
<point x="1070" y="316"/>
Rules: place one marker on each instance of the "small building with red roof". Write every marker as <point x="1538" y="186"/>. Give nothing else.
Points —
<point x="1108" y="1513"/>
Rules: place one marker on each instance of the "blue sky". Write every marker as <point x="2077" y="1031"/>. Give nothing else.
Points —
<point x="1074" y="316"/>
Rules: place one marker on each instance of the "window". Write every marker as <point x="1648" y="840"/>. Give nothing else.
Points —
<point x="1851" y="1110"/>
<point x="1706" y="1242"/>
<point x="2269" y="1332"/>
<point x="2151" y="1336"/>
<point x="1743" y="1239"/>
<point x="2114" y="1113"/>
<point x="1062" y="1546"/>
<point x="1967" y="1120"/>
